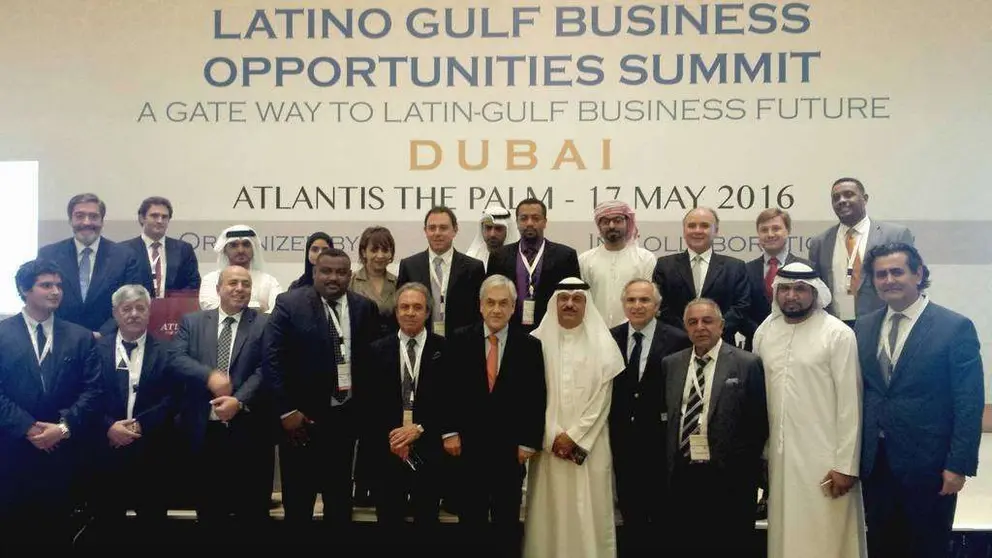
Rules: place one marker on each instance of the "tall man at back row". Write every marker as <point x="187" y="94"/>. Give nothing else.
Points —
<point x="170" y="262"/>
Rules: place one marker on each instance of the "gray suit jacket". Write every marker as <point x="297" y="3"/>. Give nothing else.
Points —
<point x="821" y="253"/>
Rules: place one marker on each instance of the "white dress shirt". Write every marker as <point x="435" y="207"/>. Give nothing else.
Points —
<point x="843" y="302"/>
<point x="133" y="368"/>
<point x="79" y="253"/>
<point x="704" y="267"/>
<point x="421" y="339"/>
<point x="47" y="326"/>
<point x="912" y="315"/>
<point x="648" y="331"/>
<point x="707" y="384"/>
<point x="151" y="262"/>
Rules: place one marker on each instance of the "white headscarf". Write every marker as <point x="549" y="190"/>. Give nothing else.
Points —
<point x="496" y="215"/>
<point x="797" y="272"/>
<point x="235" y="233"/>
<point x="594" y="334"/>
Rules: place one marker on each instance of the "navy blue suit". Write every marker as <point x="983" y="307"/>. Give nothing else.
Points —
<point x="182" y="271"/>
<point x="113" y="267"/>
<point x="931" y="416"/>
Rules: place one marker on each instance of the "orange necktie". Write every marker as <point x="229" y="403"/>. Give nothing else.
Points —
<point x="852" y="245"/>
<point x="491" y="360"/>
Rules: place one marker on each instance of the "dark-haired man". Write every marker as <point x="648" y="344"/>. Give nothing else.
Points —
<point x="170" y="262"/>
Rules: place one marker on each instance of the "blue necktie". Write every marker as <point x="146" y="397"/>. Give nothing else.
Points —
<point x="85" y="265"/>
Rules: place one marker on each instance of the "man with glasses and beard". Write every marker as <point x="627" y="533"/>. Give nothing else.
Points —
<point x="814" y="414"/>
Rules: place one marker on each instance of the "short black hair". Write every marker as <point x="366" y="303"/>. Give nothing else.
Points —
<point x="333" y="252"/>
<point x="154" y="200"/>
<point x="913" y="260"/>
<point x="29" y="272"/>
<point x="442" y="209"/>
<point x="531" y="201"/>
<point x="861" y="187"/>
<point x="85" y="198"/>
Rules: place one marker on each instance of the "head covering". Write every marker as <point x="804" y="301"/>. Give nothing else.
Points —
<point x="495" y="215"/>
<point x="595" y="336"/>
<point x="306" y="278"/>
<point x="613" y="208"/>
<point x="235" y="233"/>
<point x="797" y="272"/>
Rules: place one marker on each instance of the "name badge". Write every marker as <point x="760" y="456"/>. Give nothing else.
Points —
<point x="699" y="448"/>
<point x="438" y="328"/>
<point x="408" y="417"/>
<point x="527" y="318"/>
<point x="848" y="279"/>
<point x="344" y="376"/>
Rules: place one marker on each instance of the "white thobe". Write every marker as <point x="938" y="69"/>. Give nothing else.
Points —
<point x="814" y="413"/>
<point x="569" y="506"/>
<point x="607" y="272"/>
<point x="264" y="287"/>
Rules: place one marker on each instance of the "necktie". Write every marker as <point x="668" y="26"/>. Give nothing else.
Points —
<point x="697" y="274"/>
<point x="437" y="284"/>
<point x="694" y="406"/>
<point x="157" y="269"/>
<point x="85" y="266"/>
<point x="224" y="345"/>
<point x="335" y="336"/>
<point x="129" y="347"/>
<point x="770" y="276"/>
<point x="408" y="385"/>
<point x="885" y="357"/>
<point x="491" y="360"/>
<point x="39" y="333"/>
<point x="852" y="245"/>
<point x="634" y="362"/>
<point x="530" y="252"/>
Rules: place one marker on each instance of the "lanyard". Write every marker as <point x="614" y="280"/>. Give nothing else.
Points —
<point x="337" y="325"/>
<point x="530" y="267"/>
<point x="405" y="359"/>
<point x="702" y="395"/>
<point x="862" y="239"/>
<point x="129" y="362"/>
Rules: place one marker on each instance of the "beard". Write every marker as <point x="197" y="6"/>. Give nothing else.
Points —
<point x="800" y="312"/>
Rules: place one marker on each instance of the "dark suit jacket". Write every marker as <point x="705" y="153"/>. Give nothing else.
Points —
<point x="461" y="302"/>
<point x="156" y="396"/>
<point x="761" y="307"/>
<point x="195" y="346"/>
<point x="182" y="272"/>
<point x="557" y="263"/>
<point x="931" y="412"/>
<point x="512" y="414"/>
<point x="821" y="253"/>
<point x="737" y="421"/>
<point x="299" y="366"/>
<point x="113" y="267"/>
<point x="71" y="393"/>
<point x="384" y="405"/>
<point x="725" y="283"/>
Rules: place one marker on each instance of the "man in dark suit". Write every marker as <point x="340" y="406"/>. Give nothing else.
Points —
<point x="48" y="403"/>
<point x="496" y="399"/>
<point x="699" y="272"/>
<point x="773" y="227"/>
<point x="316" y="354"/>
<point x="534" y="264"/>
<point x="638" y="415"/>
<point x="170" y="262"/>
<point x="837" y="252"/>
<point x="93" y="267"/>
<point x="405" y="419"/>
<point x="923" y="401"/>
<point x="718" y="424"/>
<point x="453" y="277"/>
<point x="223" y="415"/>
<point x="139" y="394"/>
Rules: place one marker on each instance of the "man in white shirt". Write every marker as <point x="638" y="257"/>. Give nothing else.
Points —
<point x="238" y="245"/>
<point x="837" y="253"/>
<point x="494" y="232"/>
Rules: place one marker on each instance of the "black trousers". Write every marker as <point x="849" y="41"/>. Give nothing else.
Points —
<point x="129" y="478"/>
<point x="36" y="502"/>
<point x="490" y="485"/>
<point x="640" y="493"/>
<point x="712" y="512"/>
<point x="400" y="491"/>
<point x="906" y="517"/>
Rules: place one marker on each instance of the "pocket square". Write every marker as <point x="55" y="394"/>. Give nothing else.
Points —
<point x="436" y="355"/>
<point x="732" y="381"/>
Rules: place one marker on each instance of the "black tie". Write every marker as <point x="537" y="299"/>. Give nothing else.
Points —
<point x="39" y="333"/>
<point x="408" y="384"/>
<point x="634" y="362"/>
<point x="694" y="406"/>
<point x="129" y="347"/>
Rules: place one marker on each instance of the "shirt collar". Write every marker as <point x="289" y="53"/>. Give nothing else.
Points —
<point x="221" y="315"/>
<point x="80" y="246"/>
<point x="500" y="335"/>
<point x="149" y="240"/>
<point x="420" y="337"/>
<point x="706" y="255"/>
<point x="341" y="300"/>
<point x="447" y="256"/>
<point x="712" y="353"/>
<point x="912" y="311"/>
<point x="33" y="323"/>
<point x="781" y="256"/>
<point x="862" y="227"/>
<point x="140" y="341"/>
<point x="647" y="330"/>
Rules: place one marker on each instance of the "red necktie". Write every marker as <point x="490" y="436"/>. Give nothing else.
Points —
<point x="770" y="276"/>
<point x="491" y="358"/>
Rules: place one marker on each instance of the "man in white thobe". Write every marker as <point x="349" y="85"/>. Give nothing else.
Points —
<point x="610" y="266"/>
<point x="238" y="245"/>
<point x="570" y="490"/>
<point x="494" y="231"/>
<point x="814" y="412"/>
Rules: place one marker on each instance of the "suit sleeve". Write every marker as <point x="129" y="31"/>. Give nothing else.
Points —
<point x="185" y="365"/>
<point x="664" y="311"/>
<point x="274" y="356"/>
<point x="846" y="373"/>
<point x="134" y="274"/>
<point x="246" y="392"/>
<point x="154" y="417"/>
<point x="814" y="257"/>
<point x="536" y="398"/>
<point x="403" y="276"/>
<point x="737" y="315"/>
<point x="968" y="392"/>
<point x="14" y="420"/>
<point x="757" y="400"/>
<point x="571" y="268"/>
<point x="88" y="404"/>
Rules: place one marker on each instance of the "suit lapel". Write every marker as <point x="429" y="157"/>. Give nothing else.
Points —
<point x="874" y="239"/>
<point x="723" y="366"/>
<point x="658" y="346"/>
<point x="148" y="363"/>
<point x="70" y="266"/>
<point x="30" y="358"/>
<point x="456" y="269"/>
<point x="171" y="248"/>
<point x="915" y="340"/>
<point x="676" y="385"/>
<point x="685" y="270"/>
<point x="208" y="337"/>
<point x="100" y="265"/>
<point x="244" y="331"/>
<point x="868" y="348"/>
<point x="712" y="272"/>
<point x="324" y="326"/>
<point x="51" y="366"/>
<point x="826" y="262"/>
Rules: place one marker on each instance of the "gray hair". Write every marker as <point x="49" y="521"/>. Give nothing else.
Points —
<point x="707" y="301"/>
<point x="130" y="293"/>
<point x="654" y="289"/>
<point x="420" y="288"/>
<point x="716" y="218"/>
<point x="497" y="281"/>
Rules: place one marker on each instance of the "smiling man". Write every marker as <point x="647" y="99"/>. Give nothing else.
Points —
<point x="837" y="253"/>
<point x="238" y="246"/>
<point x="170" y="262"/>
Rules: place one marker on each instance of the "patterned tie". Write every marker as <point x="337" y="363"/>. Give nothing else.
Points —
<point x="852" y="245"/>
<point x="39" y="333"/>
<point x="437" y="284"/>
<point x="634" y="362"/>
<point x="85" y="266"/>
<point x="770" y="276"/>
<point x="157" y="271"/>
<point x="335" y="336"/>
<point x="491" y="361"/>
<point x="408" y="385"/>
<point x="697" y="274"/>
<point x="694" y="406"/>
<point x="884" y="360"/>
<point x="224" y="345"/>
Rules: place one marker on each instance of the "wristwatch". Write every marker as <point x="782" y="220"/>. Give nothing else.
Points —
<point x="65" y="430"/>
